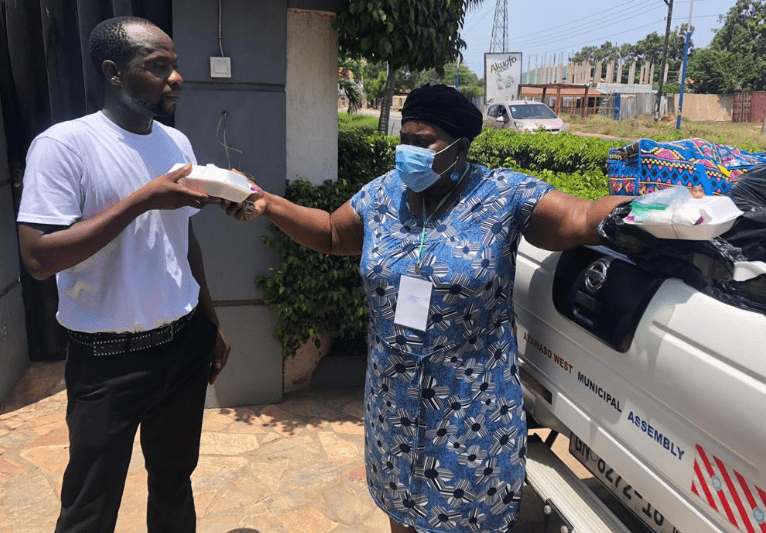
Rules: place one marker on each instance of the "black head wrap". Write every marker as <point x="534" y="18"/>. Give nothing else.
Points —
<point x="445" y="107"/>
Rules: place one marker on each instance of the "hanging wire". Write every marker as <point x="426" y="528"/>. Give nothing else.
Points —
<point x="220" y="136"/>
<point x="220" y="30"/>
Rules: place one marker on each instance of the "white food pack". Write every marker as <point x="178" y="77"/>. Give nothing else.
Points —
<point x="217" y="182"/>
<point x="696" y="219"/>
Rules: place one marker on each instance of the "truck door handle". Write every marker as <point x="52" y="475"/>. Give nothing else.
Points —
<point x="586" y="309"/>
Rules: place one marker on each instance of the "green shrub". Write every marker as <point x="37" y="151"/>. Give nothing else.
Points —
<point x="363" y="123"/>
<point x="313" y="292"/>
<point x="526" y="152"/>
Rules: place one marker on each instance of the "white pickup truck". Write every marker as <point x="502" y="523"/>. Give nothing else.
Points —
<point x="661" y="389"/>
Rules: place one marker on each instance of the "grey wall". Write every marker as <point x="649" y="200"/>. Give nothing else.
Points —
<point x="254" y="37"/>
<point x="14" y="357"/>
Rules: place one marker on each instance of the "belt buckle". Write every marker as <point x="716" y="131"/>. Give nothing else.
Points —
<point x="118" y="343"/>
<point x="163" y="335"/>
<point x="109" y="347"/>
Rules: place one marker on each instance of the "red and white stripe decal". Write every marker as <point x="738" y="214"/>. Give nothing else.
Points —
<point x="729" y="493"/>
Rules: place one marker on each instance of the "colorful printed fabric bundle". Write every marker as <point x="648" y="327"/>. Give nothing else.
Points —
<point x="645" y="165"/>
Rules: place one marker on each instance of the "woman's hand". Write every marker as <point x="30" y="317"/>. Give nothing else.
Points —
<point x="253" y="207"/>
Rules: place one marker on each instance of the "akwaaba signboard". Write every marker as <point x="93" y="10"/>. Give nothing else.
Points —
<point x="502" y="74"/>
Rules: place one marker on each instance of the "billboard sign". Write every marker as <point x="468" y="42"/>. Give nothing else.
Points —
<point x="502" y="75"/>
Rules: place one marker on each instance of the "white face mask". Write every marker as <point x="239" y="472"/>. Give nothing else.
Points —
<point x="414" y="165"/>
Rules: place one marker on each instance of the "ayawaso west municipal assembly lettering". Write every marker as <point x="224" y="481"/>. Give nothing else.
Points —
<point x="654" y="434"/>
<point x="542" y="348"/>
<point x="598" y="391"/>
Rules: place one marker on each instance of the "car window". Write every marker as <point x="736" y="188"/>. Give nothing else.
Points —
<point x="492" y="112"/>
<point x="532" y="111"/>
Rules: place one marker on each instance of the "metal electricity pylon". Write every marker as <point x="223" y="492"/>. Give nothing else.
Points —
<point x="500" y="28"/>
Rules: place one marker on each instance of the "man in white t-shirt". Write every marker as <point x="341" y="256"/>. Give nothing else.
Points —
<point x="102" y="212"/>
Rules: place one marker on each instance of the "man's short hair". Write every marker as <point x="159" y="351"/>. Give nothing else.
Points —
<point x="109" y="40"/>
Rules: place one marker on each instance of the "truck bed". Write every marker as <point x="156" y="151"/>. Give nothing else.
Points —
<point x="666" y="385"/>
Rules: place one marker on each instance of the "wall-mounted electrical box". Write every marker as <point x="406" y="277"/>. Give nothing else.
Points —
<point x="220" y="67"/>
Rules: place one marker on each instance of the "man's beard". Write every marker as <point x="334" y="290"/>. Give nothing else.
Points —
<point x="157" y="109"/>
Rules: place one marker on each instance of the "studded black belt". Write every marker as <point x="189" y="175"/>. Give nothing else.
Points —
<point x="105" y="343"/>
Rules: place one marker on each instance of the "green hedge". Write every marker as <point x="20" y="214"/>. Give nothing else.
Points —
<point x="313" y="292"/>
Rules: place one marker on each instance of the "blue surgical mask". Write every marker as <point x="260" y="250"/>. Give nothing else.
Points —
<point x="414" y="166"/>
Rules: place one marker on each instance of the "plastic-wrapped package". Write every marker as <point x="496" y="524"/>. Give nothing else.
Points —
<point x="749" y="230"/>
<point x="706" y="265"/>
<point x="681" y="213"/>
<point x="749" y="193"/>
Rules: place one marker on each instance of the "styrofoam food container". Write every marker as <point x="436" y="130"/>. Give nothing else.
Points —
<point x="217" y="182"/>
<point x="745" y="270"/>
<point x="717" y="214"/>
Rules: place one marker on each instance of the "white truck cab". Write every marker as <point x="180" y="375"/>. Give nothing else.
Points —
<point x="661" y="388"/>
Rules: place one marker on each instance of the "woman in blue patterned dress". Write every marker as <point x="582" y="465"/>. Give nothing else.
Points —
<point x="445" y="432"/>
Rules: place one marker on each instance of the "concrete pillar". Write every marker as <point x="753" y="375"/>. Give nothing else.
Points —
<point x="632" y="73"/>
<point x="312" y="82"/>
<point x="529" y="70"/>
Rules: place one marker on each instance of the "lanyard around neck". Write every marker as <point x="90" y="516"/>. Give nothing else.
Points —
<point x="426" y="220"/>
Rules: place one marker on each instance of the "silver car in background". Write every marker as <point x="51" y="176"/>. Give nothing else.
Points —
<point x="523" y="115"/>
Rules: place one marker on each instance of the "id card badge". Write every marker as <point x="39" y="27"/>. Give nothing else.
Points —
<point x="412" y="302"/>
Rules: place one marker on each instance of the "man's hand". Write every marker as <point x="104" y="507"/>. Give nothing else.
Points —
<point x="220" y="356"/>
<point x="164" y="192"/>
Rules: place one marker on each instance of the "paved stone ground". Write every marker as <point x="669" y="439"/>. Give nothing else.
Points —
<point x="297" y="466"/>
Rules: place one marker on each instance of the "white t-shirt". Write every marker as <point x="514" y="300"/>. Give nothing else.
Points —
<point x="142" y="279"/>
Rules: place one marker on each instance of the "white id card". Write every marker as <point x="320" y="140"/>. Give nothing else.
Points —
<point x="412" y="302"/>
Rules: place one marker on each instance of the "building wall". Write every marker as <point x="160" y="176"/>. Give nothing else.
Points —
<point x="703" y="107"/>
<point x="311" y="95"/>
<point x="14" y="356"/>
<point x="247" y="113"/>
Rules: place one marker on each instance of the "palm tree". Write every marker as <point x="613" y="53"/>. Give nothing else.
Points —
<point x="348" y="86"/>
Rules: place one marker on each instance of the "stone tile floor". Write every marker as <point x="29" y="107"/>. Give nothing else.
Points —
<point x="297" y="466"/>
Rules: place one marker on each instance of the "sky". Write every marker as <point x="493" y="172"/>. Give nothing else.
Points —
<point x="559" y="28"/>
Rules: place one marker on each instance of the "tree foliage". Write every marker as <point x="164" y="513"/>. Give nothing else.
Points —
<point x="605" y="52"/>
<point x="709" y="71"/>
<point x="470" y="84"/>
<point x="405" y="34"/>
<point x="736" y="58"/>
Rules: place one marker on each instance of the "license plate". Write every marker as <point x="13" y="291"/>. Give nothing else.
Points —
<point x="620" y="487"/>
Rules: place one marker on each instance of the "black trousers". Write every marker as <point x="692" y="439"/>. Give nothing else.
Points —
<point x="162" y="389"/>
